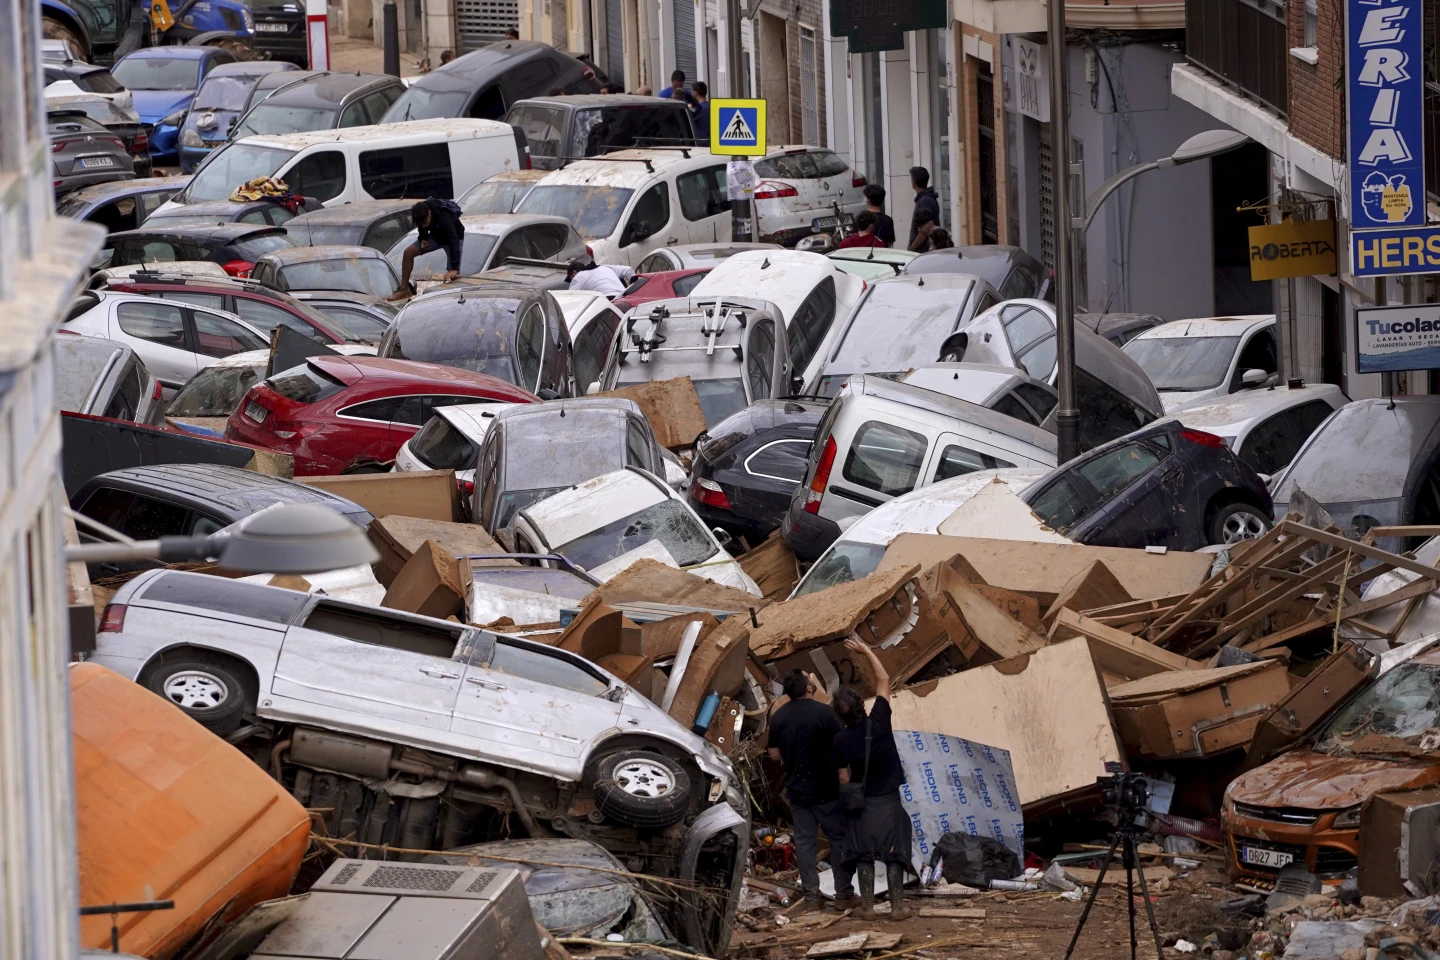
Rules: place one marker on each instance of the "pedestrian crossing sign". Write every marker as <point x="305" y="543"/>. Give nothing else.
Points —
<point x="737" y="127"/>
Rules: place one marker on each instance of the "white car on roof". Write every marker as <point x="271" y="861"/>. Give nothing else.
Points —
<point x="592" y="323"/>
<point x="606" y="524"/>
<point x="629" y="203"/>
<point x="1266" y="428"/>
<point x="1192" y="361"/>
<point x="799" y="185"/>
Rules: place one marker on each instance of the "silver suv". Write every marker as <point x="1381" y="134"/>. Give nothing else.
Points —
<point x="425" y="733"/>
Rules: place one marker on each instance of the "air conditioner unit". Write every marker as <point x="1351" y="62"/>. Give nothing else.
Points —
<point x="374" y="910"/>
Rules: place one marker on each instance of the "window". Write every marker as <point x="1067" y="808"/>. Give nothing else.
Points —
<point x="108" y="506"/>
<point x="783" y="460"/>
<point x="788" y="166"/>
<point x="1020" y="283"/>
<point x="1114" y="470"/>
<point x="544" y="128"/>
<point x="760" y="359"/>
<point x="266" y="317"/>
<point x="150" y="251"/>
<point x="151" y="519"/>
<point x="651" y="214"/>
<point x="545" y="668"/>
<point x="1039" y="360"/>
<point x="702" y="193"/>
<point x="1039" y="399"/>
<point x="155" y="322"/>
<point x="440" y="446"/>
<point x="226" y="596"/>
<point x="810" y="324"/>
<point x="1012" y="407"/>
<point x="386" y="410"/>
<point x="422" y="170"/>
<point x="529" y="346"/>
<point x="1257" y="354"/>
<point x="217" y="337"/>
<point x="383" y="234"/>
<point x="354" y="115"/>
<point x="637" y="446"/>
<point x="305" y="384"/>
<point x="490" y="105"/>
<point x="1024" y="326"/>
<point x="885" y="458"/>
<point x="956" y="460"/>
<point x="256" y="245"/>
<point x="485" y="479"/>
<point x="1061" y="505"/>
<point x="377" y="103"/>
<point x="1105" y="413"/>
<point x="255" y="216"/>
<point x="657" y="262"/>
<point x="128" y="391"/>
<point x="362" y="626"/>
<point x="828" y="165"/>
<point x="546" y="240"/>
<point x="513" y="245"/>
<point x="210" y="301"/>
<point x="684" y="285"/>
<point x="592" y="348"/>
<point x="1274" y="442"/>
<point x="320" y="176"/>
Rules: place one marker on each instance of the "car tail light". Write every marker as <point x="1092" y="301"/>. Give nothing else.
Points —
<point x="467" y="487"/>
<point x="774" y="191"/>
<point x="858" y="181"/>
<point x="113" y="619"/>
<point x="822" y="477"/>
<point x="158" y="393"/>
<point x="141" y="143"/>
<point x="588" y="252"/>
<point x="709" y="493"/>
<point x="1204" y="439"/>
<point x="57" y="146"/>
<point x="587" y="73"/>
<point x="238" y="268"/>
<point x="290" y="429"/>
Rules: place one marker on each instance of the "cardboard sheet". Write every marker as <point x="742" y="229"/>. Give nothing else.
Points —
<point x="672" y="408"/>
<point x="995" y="511"/>
<point x="428" y="494"/>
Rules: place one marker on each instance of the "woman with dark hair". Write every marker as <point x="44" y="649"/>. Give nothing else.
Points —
<point x="882" y="830"/>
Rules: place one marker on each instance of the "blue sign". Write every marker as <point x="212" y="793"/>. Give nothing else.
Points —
<point x="1383" y="253"/>
<point x="1384" y="70"/>
<point x="1397" y="338"/>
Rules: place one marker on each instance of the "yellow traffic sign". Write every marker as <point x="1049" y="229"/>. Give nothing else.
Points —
<point x="737" y="127"/>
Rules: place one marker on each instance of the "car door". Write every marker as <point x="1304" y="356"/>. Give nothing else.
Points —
<point x="215" y="335"/>
<point x="530" y="346"/>
<point x="368" y="668"/>
<point x="1141" y="491"/>
<point x="156" y="331"/>
<point x="592" y="349"/>
<point x="704" y="205"/>
<point x="383" y="233"/>
<point x="375" y="430"/>
<point x="319" y="175"/>
<point x="882" y="461"/>
<point x="647" y="225"/>
<point x="761" y="376"/>
<point x="1257" y="352"/>
<point x="955" y="455"/>
<point x="537" y="710"/>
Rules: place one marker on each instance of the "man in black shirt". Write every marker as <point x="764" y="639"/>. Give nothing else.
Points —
<point x="927" y="201"/>
<point x="438" y="227"/>
<point x="802" y="737"/>
<point x="875" y="203"/>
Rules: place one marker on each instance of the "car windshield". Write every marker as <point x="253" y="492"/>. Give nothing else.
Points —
<point x="304" y="384"/>
<point x="897" y="327"/>
<point x="845" y="562"/>
<point x="440" y="446"/>
<point x="474" y="251"/>
<point x="359" y="276"/>
<point x="213" y="392"/>
<point x="79" y="361"/>
<point x="157" y="73"/>
<point x="253" y="248"/>
<point x="1386" y="440"/>
<point x="420" y="103"/>
<point x="498" y="196"/>
<point x="224" y="93"/>
<point x="594" y="210"/>
<point x="1398" y="715"/>
<point x="667" y="522"/>
<point x="230" y="166"/>
<point x="1184" y="363"/>
<point x="512" y="502"/>
<point x="278" y="118"/>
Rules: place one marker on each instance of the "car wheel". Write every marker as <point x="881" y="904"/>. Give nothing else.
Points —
<point x="641" y="789"/>
<point x="368" y="467"/>
<point x="1236" y="522"/>
<point x="236" y="49"/>
<point x="55" y="30"/>
<point x="209" y="690"/>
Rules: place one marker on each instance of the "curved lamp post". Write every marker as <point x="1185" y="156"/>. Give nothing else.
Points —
<point x="1210" y="143"/>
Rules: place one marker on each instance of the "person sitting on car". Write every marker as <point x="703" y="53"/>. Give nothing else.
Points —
<point x="864" y="235"/>
<point x="439" y="228"/>
<point x="583" y="273"/>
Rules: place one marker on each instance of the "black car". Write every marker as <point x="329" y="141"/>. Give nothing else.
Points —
<point x="516" y="334"/>
<point x="560" y="129"/>
<point x="1008" y="269"/>
<point x="271" y="82"/>
<point x="266" y="212"/>
<point x="192" y="499"/>
<point x="121" y="204"/>
<point x="321" y="101"/>
<point x="747" y="467"/>
<point x="367" y="223"/>
<point x="84" y="153"/>
<point x="484" y="84"/>
<point x="1161" y="486"/>
<point x="280" y="31"/>
<point x="235" y="246"/>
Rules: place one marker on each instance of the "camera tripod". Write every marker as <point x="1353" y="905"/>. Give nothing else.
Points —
<point x="1124" y="842"/>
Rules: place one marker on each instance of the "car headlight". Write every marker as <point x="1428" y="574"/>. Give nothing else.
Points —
<point x="189" y="138"/>
<point x="247" y="18"/>
<point x="1347" y="819"/>
<point x="174" y="120"/>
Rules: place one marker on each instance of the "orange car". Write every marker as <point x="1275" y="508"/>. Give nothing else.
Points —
<point x="166" y="810"/>
<point x="1359" y="726"/>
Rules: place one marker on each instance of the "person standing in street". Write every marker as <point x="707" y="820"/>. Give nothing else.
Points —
<point x="921" y="229"/>
<point x="864" y="235"/>
<point x="583" y="273"/>
<point x="802" y="735"/>
<point x="438" y="227"/>
<point x="865" y="753"/>
<point x="875" y="203"/>
<point x="926" y="201"/>
<point x="700" y="112"/>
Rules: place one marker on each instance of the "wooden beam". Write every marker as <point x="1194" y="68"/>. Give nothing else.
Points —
<point x="1373" y="553"/>
<point x="1408" y="592"/>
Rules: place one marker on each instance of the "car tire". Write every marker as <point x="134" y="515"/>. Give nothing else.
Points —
<point x="1235" y="522"/>
<point x="210" y="690"/>
<point x="368" y="466"/>
<point x="53" y="29"/>
<point x="236" y="49"/>
<point x="640" y="789"/>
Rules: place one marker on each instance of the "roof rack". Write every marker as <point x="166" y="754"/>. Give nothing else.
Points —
<point x="649" y="167"/>
<point x="714" y="317"/>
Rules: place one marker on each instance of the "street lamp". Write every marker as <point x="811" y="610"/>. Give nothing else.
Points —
<point x="1210" y="143"/>
<point x="286" y="538"/>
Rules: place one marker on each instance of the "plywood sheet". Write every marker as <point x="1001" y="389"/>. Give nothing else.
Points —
<point x="825" y="615"/>
<point x="672" y="408"/>
<point x="1180" y="681"/>
<point x="650" y="581"/>
<point x="1047" y="708"/>
<point x="1117" y="651"/>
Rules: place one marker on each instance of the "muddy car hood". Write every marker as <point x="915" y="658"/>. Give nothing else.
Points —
<point x="1317" y="781"/>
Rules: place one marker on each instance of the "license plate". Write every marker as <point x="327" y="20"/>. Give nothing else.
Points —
<point x="89" y="162"/>
<point x="823" y="223"/>
<point x="256" y="412"/>
<point x="1266" y="858"/>
<point x="271" y="27"/>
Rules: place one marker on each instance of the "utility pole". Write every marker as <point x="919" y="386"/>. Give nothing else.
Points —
<point x="1067" y="418"/>
<point x="391" y="26"/>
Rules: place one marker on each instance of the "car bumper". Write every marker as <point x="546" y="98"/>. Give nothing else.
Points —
<point x="77" y="180"/>
<point x="754" y="531"/>
<point x="192" y="157"/>
<point x="805" y="533"/>
<point x="163" y="143"/>
<point x="1324" y="851"/>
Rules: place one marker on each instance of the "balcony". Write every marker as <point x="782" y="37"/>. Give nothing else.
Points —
<point x="1242" y="44"/>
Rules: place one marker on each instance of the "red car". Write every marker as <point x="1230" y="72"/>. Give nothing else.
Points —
<point x="663" y="285"/>
<point x="351" y="414"/>
<point x="263" y="308"/>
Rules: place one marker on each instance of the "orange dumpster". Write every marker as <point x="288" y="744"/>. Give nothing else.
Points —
<point x="166" y="810"/>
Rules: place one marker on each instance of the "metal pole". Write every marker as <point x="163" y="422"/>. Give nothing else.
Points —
<point x="391" y="26"/>
<point x="741" y="219"/>
<point x="1067" y="418"/>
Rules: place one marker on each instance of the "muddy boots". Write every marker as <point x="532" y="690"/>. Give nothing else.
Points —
<point x="865" y="881"/>
<point x="895" y="876"/>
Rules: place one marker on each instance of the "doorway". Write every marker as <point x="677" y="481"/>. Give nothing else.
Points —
<point x="1238" y="178"/>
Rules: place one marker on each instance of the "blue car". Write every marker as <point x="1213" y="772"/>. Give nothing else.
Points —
<point x="220" y="102"/>
<point x="163" y="81"/>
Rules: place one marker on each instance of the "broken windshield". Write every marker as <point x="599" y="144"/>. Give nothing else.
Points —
<point x="1398" y="715"/>
<point x="594" y="210"/>
<point x="1184" y="363"/>
<point x="668" y="522"/>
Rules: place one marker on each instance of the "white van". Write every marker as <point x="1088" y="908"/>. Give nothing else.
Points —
<point x="387" y="161"/>
<point x="630" y="203"/>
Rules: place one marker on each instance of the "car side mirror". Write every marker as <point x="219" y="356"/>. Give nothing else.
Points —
<point x="593" y="389"/>
<point x="722" y="537"/>
<point x="1253" y="377"/>
<point x="545" y="393"/>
